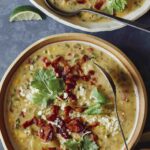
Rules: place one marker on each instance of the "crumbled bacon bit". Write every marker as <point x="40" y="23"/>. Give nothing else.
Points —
<point x="45" y="59"/>
<point x="81" y="1"/>
<point x="46" y="62"/>
<point x="37" y="121"/>
<point x="62" y="130"/>
<point x="69" y="54"/>
<point x="86" y="78"/>
<point x="76" y="125"/>
<point x="55" y="112"/>
<point x="94" y="137"/>
<point x="67" y="111"/>
<point x="95" y="124"/>
<point x="85" y="58"/>
<point x="46" y="132"/>
<point x="79" y="109"/>
<point x="72" y="96"/>
<point x="99" y="4"/>
<point x="28" y="123"/>
<point x="90" y="49"/>
<point x="22" y="114"/>
<point x="91" y="72"/>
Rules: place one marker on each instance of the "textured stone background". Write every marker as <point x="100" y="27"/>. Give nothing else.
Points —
<point x="14" y="37"/>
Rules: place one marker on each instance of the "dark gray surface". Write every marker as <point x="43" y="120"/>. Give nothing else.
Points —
<point x="14" y="37"/>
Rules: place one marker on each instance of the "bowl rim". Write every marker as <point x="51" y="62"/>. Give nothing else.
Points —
<point x="92" y="30"/>
<point x="83" y="38"/>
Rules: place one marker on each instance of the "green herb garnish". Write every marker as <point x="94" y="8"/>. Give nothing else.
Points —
<point x="115" y="5"/>
<point x="17" y="125"/>
<point x="100" y="100"/>
<point x="98" y="96"/>
<point x="47" y="85"/>
<point x="73" y="145"/>
<point x="93" y="110"/>
<point x="85" y="144"/>
<point x="88" y="144"/>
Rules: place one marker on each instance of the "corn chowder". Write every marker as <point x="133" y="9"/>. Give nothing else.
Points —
<point x="59" y="100"/>
<point x="114" y="7"/>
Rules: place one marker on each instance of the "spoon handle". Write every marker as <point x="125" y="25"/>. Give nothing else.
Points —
<point x="124" y="21"/>
<point x="113" y="86"/>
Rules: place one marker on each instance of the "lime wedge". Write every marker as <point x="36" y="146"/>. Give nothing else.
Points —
<point x="26" y="13"/>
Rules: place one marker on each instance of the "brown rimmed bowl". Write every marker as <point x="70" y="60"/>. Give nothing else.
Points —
<point x="133" y="72"/>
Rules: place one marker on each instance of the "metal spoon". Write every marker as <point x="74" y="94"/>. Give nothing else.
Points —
<point x="74" y="13"/>
<point x="112" y="84"/>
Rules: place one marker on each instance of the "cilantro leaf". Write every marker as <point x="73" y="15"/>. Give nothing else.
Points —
<point x="99" y="97"/>
<point x="72" y="145"/>
<point x="88" y="144"/>
<point x="93" y="110"/>
<point x="56" y="85"/>
<point x="100" y="100"/>
<point x="85" y="144"/>
<point x="47" y="85"/>
<point x="116" y="5"/>
<point x="42" y="98"/>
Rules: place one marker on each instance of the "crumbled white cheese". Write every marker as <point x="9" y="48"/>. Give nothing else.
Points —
<point x="90" y="119"/>
<point x="55" y="123"/>
<point x="24" y="110"/>
<point x="82" y="91"/>
<point x="75" y="114"/>
<point x="87" y="66"/>
<point x="111" y="124"/>
<point x="63" y="105"/>
<point x="86" y="133"/>
<point x="29" y="96"/>
<point x="65" y="95"/>
<point x="61" y="139"/>
<point x="34" y="90"/>
<point x="40" y="113"/>
<point x="30" y="92"/>
<point x="41" y="131"/>
<point x="31" y="67"/>
<point x="27" y="131"/>
<point x="22" y="92"/>
<point x="44" y="117"/>
<point x="69" y="131"/>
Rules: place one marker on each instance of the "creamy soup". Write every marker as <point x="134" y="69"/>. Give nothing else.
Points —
<point x="116" y="7"/>
<point x="59" y="100"/>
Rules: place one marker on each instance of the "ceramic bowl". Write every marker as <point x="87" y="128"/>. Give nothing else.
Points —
<point x="141" y="101"/>
<point x="92" y="27"/>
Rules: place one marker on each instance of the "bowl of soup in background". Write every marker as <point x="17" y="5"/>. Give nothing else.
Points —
<point x="97" y="26"/>
<point x="114" y="53"/>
